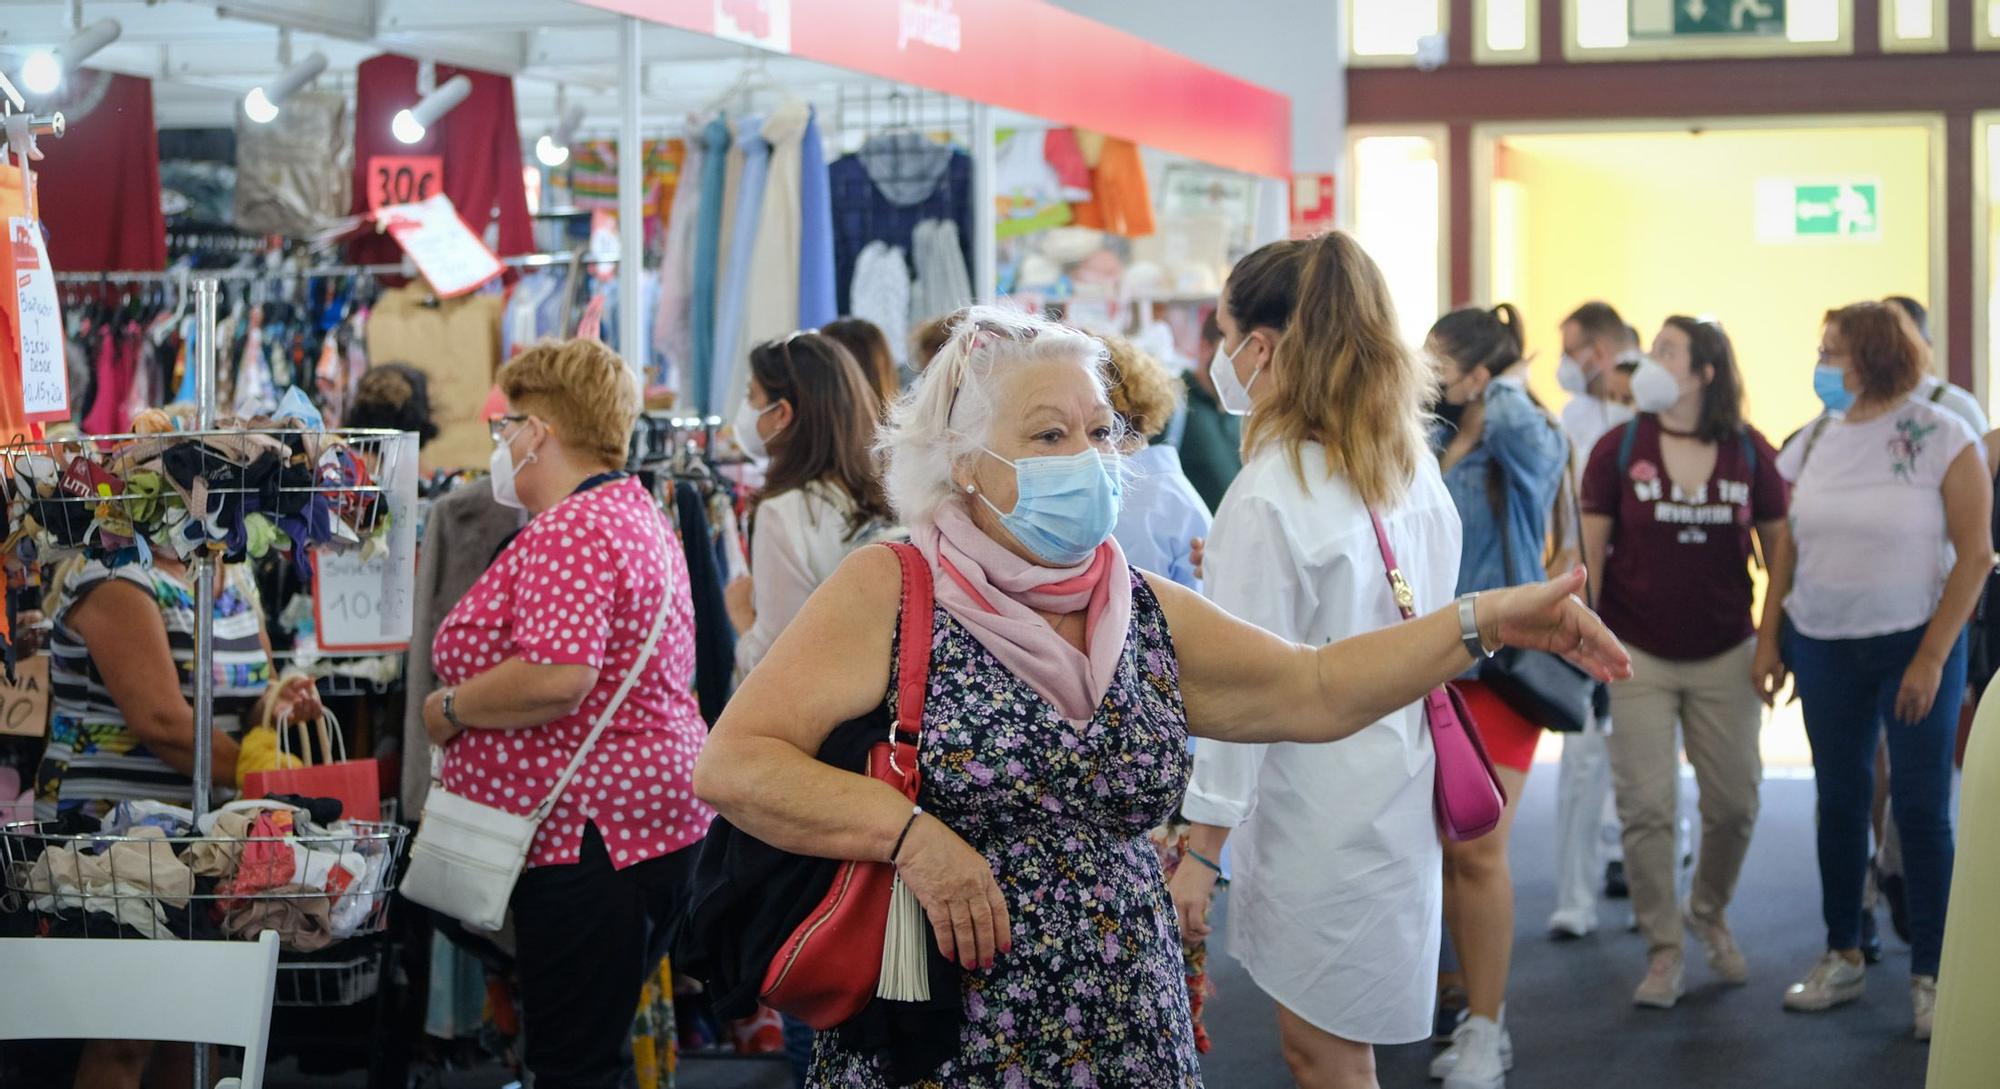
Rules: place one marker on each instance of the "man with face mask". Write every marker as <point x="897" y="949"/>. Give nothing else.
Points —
<point x="1211" y="440"/>
<point x="1596" y="341"/>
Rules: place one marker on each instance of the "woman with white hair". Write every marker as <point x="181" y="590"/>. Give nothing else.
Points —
<point x="1063" y="688"/>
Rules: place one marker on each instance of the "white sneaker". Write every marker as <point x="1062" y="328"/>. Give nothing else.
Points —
<point x="1833" y="981"/>
<point x="1723" y="954"/>
<point x="1481" y="1063"/>
<point x="1923" y="1003"/>
<point x="1663" y="985"/>
<point x="1447" y="1059"/>
<point x="1571" y="923"/>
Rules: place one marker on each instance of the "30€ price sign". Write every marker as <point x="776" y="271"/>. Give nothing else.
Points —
<point x="38" y="324"/>
<point x="403" y="179"/>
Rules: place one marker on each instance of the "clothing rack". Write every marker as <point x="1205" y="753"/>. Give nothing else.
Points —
<point x="314" y="272"/>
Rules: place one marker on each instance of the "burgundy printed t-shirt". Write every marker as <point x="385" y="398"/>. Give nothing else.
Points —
<point x="1677" y="574"/>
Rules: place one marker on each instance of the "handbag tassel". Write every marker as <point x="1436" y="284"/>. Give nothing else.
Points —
<point x="906" y="975"/>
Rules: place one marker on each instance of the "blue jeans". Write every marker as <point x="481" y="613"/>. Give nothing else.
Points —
<point x="1849" y="687"/>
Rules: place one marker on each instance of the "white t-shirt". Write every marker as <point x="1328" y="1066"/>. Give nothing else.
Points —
<point x="1868" y="517"/>
<point x="1961" y="403"/>
<point x="1586" y="419"/>
<point x="800" y="539"/>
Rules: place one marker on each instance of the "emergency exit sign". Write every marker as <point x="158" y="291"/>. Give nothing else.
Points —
<point x="1702" y="18"/>
<point x="1791" y="210"/>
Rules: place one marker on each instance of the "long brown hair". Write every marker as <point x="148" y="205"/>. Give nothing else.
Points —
<point x="864" y="340"/>
<point x="834" y="416"/>
<point x="1722" y="400"/>
<point x="1343" y="376"/>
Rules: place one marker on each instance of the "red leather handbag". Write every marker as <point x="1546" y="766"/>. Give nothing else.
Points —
<point x="828" y="969"/>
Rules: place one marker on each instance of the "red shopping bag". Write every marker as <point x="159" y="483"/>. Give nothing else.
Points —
<point x="355" y="782"/>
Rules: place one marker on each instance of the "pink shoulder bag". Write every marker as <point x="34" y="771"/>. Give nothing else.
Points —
<point x="1467" y="796"/>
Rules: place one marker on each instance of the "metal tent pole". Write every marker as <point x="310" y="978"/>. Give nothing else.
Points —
<point x="631" y="198"/>
<point x="204" y="590"/>
<point x="985" y="215"/>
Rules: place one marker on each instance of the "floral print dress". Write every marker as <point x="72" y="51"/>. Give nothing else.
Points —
<point x="1093" y="993"/>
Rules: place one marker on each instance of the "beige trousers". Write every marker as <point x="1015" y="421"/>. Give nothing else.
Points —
<point x="1718" y="717"/>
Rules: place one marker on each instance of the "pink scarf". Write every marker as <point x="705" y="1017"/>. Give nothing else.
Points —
<point x="995" y="594"/>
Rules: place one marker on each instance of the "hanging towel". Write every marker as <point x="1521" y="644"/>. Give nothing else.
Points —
<point x="818" y="303"/>
<point x="732" y="310"/>
<point x="942" y="285"/>
<point x="771" y="308"/>
<point x="708" y="241"/>
<point x="881" y="293"/>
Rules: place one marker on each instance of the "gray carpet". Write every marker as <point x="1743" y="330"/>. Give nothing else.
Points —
<point x="1570" y="1011"/>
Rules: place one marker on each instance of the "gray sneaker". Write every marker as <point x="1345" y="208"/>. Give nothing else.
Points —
<point x="1923" y="1003"/>
<point x="1835" y="980"/>
<point x="1447" y="1061"/>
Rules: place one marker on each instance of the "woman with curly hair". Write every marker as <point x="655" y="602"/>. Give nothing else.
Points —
<point x="1163" y="520"/>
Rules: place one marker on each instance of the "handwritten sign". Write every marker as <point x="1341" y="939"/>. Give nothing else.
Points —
<point x="446" y="251"/>
<point x="38" y="328"/>
<point x="403" y="179"/>
<point x="24" y="701"/>
<point x="367" y="605"/>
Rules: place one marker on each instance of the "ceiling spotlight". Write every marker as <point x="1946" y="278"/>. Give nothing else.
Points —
<point x="411" y="124"/>
<point x="44" y="69"/>
<point x="553" y="148"/>
<point x="261" y="104"/>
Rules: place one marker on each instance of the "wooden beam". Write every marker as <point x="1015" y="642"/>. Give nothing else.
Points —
<point x="1961" y="219"/>
<point x="1458" y="174"/>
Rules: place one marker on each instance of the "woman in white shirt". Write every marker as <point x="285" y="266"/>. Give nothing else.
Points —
<point x="1161" y="518"/>
<point x="814" y="414"/>
<point x="1336" y="893"/>
<point x="1890" y="531"/>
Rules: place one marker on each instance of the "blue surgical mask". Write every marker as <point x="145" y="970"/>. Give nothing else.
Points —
<point x="1064" y="506"/>
<point x="1831" y="385"/>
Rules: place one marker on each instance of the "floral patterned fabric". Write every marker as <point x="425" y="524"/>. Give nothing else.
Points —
<point x="1093" y="995"/>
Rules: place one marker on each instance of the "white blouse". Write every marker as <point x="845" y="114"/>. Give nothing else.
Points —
<point x="796" y="542"/>
<point x="1337" y="889"/>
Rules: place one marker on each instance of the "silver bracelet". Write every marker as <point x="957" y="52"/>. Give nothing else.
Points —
<point x="1468" y="628"/>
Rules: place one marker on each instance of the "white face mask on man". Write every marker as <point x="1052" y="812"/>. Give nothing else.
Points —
<point x="1570" y="376"/>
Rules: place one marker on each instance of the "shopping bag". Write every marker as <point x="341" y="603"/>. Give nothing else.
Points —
<point x="356" y="783"/>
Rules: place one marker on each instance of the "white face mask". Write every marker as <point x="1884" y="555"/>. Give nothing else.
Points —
<point x="1231" y="392"/>
<point x="1654" y="388"/>
<point x="501" y="467"/>
<point x="745" y="424"/>
<point x="1570" y="376"/>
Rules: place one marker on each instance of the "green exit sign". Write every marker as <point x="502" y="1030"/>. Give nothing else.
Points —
<point x="1791" y="210"/>
<point x="1701" y="18"/>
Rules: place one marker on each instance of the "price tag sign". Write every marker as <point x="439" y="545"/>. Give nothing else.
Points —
<point x="366" y="605"/>
<point x="446" y="251"/>
<point x="38" y="325"/>
<point x="403" y="179"/>
<point x="24" y="701"/>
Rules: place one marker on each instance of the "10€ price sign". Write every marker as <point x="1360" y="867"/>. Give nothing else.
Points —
<point x="38" y="328"/>
<point x="366" y="604"/>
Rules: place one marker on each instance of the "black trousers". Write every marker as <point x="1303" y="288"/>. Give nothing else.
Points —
<point x="586" y="936"/>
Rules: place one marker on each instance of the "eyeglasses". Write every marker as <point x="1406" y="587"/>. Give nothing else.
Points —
<point x="498" y="425"/>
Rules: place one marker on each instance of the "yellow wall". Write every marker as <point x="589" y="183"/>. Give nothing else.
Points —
<point x="1663" y="223"/>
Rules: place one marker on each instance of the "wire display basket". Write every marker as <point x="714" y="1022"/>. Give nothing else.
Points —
<point x="315" y="888"/>
<point x="328" y="981"/>
<point x="229" y="490"/>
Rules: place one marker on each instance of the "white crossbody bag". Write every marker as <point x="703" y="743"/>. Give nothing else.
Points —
<point x="467" y="856"/>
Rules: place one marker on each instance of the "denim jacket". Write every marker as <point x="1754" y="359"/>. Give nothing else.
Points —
<point x="1531" y="452"/>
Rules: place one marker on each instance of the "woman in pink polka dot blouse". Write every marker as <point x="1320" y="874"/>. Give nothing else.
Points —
<point x="529" y="658"/>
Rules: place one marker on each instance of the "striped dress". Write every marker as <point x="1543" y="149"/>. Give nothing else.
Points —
<point x="94" y="761"/>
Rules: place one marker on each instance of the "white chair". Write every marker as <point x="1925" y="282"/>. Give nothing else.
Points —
<point x="204" y="992"/>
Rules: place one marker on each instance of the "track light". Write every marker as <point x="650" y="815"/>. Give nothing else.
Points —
<point x="261" y="104"/>
<point x="553" y="148"/>
<point x="44" y="69"/>
<point x="411" y="124"/>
